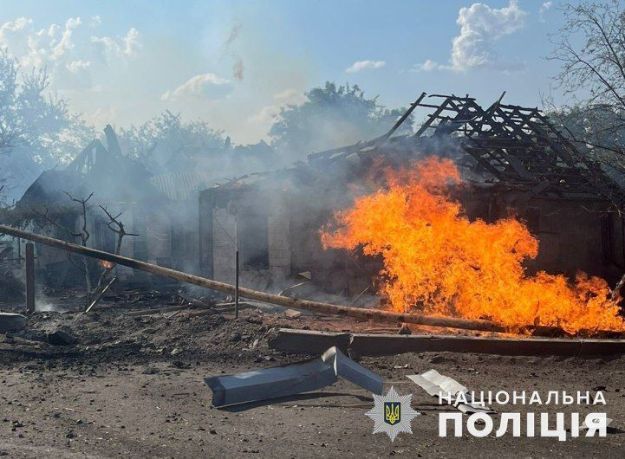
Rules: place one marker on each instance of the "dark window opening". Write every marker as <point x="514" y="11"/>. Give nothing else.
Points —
<point x="253" y="241"/>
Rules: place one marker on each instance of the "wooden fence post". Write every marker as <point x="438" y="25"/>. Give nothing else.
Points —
<point x="30" y="277"/>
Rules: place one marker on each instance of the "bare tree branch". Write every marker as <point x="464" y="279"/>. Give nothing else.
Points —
<point x="597" y="66"/>
<point x="117" y="226"/>
<point x="587" y="142"/>
<point x="84" y="238"/>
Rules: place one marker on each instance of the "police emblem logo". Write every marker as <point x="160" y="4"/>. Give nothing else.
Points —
<point x="392" y="413"/>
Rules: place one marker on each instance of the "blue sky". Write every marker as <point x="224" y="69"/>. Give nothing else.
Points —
<point x="234" y="63"/>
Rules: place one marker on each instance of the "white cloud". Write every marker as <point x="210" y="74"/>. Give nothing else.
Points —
<point x="126" y="46"/>
<point x="65" y="43"/>
<point x="67" y="50"/>
<point x="481" y="26"/>
<point x="14" y="26"/>
<point x="206" y="85"/>
<point x="14" y="34"/>
<point x="546" y="6"/>
<point x="39" y="47"/>
<point x="364" y="65"/>
<point x="428" y="66"/>
<point x="269" y="113"/>
<point x="78" y="66"/>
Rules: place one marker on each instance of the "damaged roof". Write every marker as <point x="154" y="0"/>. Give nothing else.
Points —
<point x="100" y="169"/>
<point x="505" y="144"/>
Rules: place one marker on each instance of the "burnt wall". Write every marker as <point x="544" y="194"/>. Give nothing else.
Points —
<point x="254" y="219"/>
<point x="574" y="234"/>
<point x="277" y="228"/>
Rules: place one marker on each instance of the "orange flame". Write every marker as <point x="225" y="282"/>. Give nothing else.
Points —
<point x="107" y="264"/>
<point x="437" y="260"/>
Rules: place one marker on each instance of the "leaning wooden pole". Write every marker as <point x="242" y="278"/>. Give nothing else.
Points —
<point x="295" y="303"/>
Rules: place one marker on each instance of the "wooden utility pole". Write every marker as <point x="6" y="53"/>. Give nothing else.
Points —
<point x="236" y="285"/>
<point x="30" y="277"/>
<point x="295" y="303"/>
<point x="236" y="262"/>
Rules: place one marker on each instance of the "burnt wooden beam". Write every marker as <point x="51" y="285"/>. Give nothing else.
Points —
<point x="295" y="341"/>
<point x="403" y="118"/>
<point x="375" y="345"/>
<point x="368" y="344"/>
<point x="430" y="119"/>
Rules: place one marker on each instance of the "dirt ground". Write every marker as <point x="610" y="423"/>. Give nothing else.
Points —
<point x="133" y="386"/>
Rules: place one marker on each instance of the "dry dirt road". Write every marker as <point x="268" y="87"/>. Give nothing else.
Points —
<point x="133" y="387"/>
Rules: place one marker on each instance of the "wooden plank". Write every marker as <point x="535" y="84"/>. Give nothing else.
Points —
<point x="99" y="296"/>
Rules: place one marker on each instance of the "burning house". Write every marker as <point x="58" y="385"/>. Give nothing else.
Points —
<point x="513" y="163"/>
<point x="502" y="175"/>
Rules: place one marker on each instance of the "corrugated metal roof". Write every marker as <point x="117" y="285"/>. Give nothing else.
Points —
<point x="180" y="186"/>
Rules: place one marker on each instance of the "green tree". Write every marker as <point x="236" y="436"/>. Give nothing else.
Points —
<point x="167" y="144"/>
<point x="37" y="131"/>
<point x="332" y="116"/>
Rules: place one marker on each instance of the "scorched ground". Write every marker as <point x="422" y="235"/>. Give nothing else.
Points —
<point x="133" y="386"/>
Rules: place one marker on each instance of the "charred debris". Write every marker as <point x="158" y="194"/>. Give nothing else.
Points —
<point x="513" y="158"/>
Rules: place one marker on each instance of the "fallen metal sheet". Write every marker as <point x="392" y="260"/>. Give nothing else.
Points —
<point x="446" y="388"/>
<point x="271" y="383"/>
<point x="353" y="372"/>
<point x="276" y="382"/>
<point x="444" y="383"/>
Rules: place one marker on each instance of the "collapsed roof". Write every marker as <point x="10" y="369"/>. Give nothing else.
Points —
<point x="506" y="144"/>
<point x="100" y="169"/>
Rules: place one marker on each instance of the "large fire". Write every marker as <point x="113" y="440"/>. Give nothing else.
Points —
<point x="438" y="261"/>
